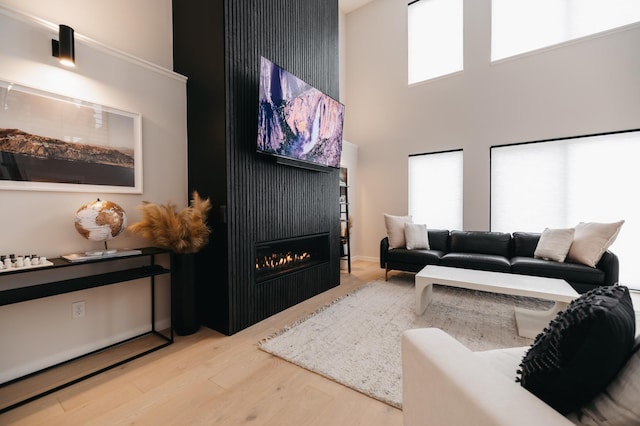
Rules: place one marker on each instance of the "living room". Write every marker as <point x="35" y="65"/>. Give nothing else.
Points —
<point x="581" y="88"/>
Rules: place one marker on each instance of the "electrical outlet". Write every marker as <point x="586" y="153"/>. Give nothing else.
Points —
<point x="77" y="309"/>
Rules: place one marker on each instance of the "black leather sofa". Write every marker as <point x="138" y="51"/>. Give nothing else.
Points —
<point x="499" y="252"/>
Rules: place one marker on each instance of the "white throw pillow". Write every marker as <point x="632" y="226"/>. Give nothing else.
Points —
<point x="395" y="229"/>
<point x="416" y="236"/>
<point x="591" y="240"/>
<point x="554" y="244"/>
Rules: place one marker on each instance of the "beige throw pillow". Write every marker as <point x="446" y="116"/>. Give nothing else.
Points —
<point x="554" y="244"/>
<point x="591" y="240"/>
<point x="395" y="229"/>
<point x="416" y="236"/>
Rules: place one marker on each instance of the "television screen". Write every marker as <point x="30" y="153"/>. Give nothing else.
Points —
<point x="296" y="120"/>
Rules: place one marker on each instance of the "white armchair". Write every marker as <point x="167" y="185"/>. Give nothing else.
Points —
<point x="445" y="383"/>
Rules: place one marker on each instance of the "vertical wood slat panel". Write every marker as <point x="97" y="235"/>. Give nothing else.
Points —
<point x="269" y="201"/>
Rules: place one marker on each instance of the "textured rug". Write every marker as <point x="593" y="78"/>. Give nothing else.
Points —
<point x="355" y="340"/>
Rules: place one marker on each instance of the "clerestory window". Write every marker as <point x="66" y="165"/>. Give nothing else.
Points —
<point x="435" y="39"/>
<point x="521" y="26"/>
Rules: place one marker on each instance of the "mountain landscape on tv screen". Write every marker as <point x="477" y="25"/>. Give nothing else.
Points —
<point x="296" y="120"/>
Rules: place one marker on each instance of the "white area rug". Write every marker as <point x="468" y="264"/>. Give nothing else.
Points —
<point x="356" y="339"/>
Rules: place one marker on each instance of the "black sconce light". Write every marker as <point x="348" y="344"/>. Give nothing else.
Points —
<point x="65" y="48"/>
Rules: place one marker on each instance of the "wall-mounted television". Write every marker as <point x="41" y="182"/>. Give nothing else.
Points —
<point x="297" y="121"/>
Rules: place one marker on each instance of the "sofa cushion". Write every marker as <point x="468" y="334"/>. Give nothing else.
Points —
<point x="416" y="236"/>
<point x="485" y="262"/>
<point x="439" y="239"/>
<point x="395" y="229"/>
<point x="566" y="271"/>
<point x="504" y="360"/>
<point x="525" y="243"/>
<point x="497" y="243"/>
<point x="619" y="404"/>
<point x="581" y="350"/>
<point x="554" y="244"/>
<point x="591" y="240"/>
<point x="417" y="257"/>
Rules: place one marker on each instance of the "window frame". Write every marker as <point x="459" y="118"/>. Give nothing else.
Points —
<point x="460" y="208"/>
<point x="568" y="41"/>
<point x="431" y="76"/>
<point x="631" y="276"/>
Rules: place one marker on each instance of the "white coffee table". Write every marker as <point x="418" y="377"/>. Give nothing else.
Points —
<point x="530" y="323"/>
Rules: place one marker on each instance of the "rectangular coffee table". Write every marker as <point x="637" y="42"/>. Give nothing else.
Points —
<point x="530" y="323"/>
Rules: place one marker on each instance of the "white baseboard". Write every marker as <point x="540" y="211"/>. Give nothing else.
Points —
<point x="69" y="354"/>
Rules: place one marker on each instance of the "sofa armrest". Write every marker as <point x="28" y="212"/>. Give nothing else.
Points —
<point x="445" y="383"/>
<point x="610" y="265"/>
<point x="384" y="248"/>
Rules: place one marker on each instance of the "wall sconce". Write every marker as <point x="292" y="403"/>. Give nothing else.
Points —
<point x="65" y="48"/>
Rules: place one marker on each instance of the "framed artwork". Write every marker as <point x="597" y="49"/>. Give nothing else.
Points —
<point x="50" y="142"/>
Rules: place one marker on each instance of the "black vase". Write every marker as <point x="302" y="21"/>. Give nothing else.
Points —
<point x="184" y="317"/>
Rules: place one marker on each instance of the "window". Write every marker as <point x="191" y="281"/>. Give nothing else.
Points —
<point x="434" y="38"/>
<point x="559" y="183"/>
<point x="435" y="189"/>
<point x="525" y="25"/>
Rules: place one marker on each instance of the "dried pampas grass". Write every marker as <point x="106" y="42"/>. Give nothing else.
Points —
<point x="183" y="232"/>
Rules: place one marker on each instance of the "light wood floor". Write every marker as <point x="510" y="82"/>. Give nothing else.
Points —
<point x="209" y="378"/>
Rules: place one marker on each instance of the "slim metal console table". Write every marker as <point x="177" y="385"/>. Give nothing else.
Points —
<point x="65" y="277"/>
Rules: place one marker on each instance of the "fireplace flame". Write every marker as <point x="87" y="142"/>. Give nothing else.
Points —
<point x="279" y="260"/>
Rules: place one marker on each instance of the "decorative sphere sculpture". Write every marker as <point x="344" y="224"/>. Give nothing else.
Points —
<point x="100" y="220"/>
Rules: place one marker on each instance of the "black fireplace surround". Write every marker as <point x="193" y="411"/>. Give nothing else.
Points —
<point x="254" y="200"/>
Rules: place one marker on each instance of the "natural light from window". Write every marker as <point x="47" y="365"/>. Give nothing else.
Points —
<point x="435" y="189"/>
<point x="520" y="26"/>
<point x="435" y="41"/>
<point x="557" y="184"/>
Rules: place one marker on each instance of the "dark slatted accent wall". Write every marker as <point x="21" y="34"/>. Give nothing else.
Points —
<point x="264" y="200"/>
<point x="268" y="201"/>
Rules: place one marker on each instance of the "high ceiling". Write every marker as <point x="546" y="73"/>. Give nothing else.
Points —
<point x="347" y="6"/>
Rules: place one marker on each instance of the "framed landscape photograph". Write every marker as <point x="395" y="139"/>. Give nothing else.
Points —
<point x="50" y="142"/>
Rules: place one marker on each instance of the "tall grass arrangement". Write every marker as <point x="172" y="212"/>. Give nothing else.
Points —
<point x="181" y="232"/>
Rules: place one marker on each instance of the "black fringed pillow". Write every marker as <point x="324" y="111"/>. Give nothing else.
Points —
<point x="581" y="350"/>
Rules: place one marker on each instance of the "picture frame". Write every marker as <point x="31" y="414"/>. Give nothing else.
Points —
<point x="52" y="142"/>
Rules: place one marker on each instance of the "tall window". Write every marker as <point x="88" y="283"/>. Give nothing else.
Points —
<point x="435" y="189"/>
<point x="559" y="183"/>
<point x="525" y="25"/>
<point x="435" y="38"/>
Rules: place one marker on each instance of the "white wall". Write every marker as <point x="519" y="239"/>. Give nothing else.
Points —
<point x="142" y="28"/>
<point x="585" y="87"/>
<point x="342" y="56"/>
<point x="42" y="221"/>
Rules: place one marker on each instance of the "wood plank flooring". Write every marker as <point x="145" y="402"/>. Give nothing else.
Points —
<point x="212" y="379"/>
<point x="48" y="380"/>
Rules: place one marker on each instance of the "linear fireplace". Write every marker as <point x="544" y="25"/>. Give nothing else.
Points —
<point x="277" y="258"/>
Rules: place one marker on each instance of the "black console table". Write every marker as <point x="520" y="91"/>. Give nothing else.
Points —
<point x="61" y="277"/>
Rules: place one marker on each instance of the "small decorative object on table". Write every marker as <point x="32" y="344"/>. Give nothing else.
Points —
<point x="12" y="262"/>
<point x="184" y="233"/>
<point x="100" y="221"/>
